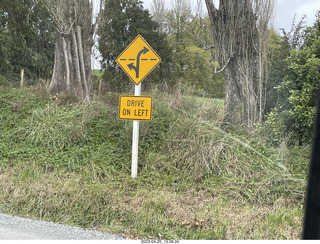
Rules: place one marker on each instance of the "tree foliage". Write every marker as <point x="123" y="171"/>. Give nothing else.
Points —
<point x="297" y="92"/>
<point x="27" y="40"/>
<point x="279" y="50"/>
<point x="121" y="22"/>
<point x="302" y="81"/>
<point x="193" y="64"/>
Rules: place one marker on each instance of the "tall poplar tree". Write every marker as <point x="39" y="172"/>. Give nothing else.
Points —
<point x="74" y="40"/>
<point x="236" y="31"/>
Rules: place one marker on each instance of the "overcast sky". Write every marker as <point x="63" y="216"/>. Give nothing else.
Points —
<point x="285" y="10"/>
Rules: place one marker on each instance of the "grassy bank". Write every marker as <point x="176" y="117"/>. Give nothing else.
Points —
<point x="70" y="163"/>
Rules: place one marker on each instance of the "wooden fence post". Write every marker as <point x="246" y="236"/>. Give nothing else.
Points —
<point x="22" y="78"/>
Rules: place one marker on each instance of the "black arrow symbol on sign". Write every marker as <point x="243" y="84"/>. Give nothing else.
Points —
<point x="136" y="68"/>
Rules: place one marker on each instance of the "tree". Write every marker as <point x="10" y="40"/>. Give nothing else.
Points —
<point x="210" y="81"/>
<point x="74" y="40"/>
<point x="302" y="83"/>
<point x="236" y="38"/>
<point x="5" y="49"/>
<point x="189" y="36"/>
<point x="198" y="72"/>
<point x="279" y="48"/>
<point x="158" y="13"/>
<point x="296" y="36"/>
<point x="298" y="61"/>
<point x="178" y="36"/>
<point x="121" y="22"/>
<point x="27" y="40"/>
<point x="263" y="9"/>
<point x="200" y="28"/>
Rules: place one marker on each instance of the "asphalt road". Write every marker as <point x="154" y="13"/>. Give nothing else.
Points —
<point x="16" y="228"/>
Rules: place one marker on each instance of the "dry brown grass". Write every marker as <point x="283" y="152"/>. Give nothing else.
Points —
<point x="67" y="198"/>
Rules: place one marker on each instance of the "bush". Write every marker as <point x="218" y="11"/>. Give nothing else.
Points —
<point x="277" y="126"/>
<point x="300" y="89"/>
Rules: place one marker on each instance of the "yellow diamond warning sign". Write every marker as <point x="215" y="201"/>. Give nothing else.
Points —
<point x="138" y="59"/>
<point x="135" y="108"/>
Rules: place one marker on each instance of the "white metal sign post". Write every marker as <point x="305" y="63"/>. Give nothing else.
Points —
<point x="135" y="138"/>
<point x="137" y="61"/>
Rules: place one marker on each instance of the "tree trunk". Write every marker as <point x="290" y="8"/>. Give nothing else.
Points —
<point x="74" y="31"/>
<point x="235" y="36"/>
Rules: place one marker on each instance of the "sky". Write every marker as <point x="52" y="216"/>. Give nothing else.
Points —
<point x="285" y="11"/>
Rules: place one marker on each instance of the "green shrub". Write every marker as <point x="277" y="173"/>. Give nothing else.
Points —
<point x="277" y="126"/>
<point x="299" y="90"/>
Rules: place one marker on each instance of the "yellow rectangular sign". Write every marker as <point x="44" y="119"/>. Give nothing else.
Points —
<point x="135" y="107"/>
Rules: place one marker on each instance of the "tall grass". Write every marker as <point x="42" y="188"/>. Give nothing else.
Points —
<point x="57" y="126"/>
<point x="70" y="163"/>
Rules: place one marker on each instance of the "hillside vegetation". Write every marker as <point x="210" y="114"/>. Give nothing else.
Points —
<point x="70" y="163"/>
